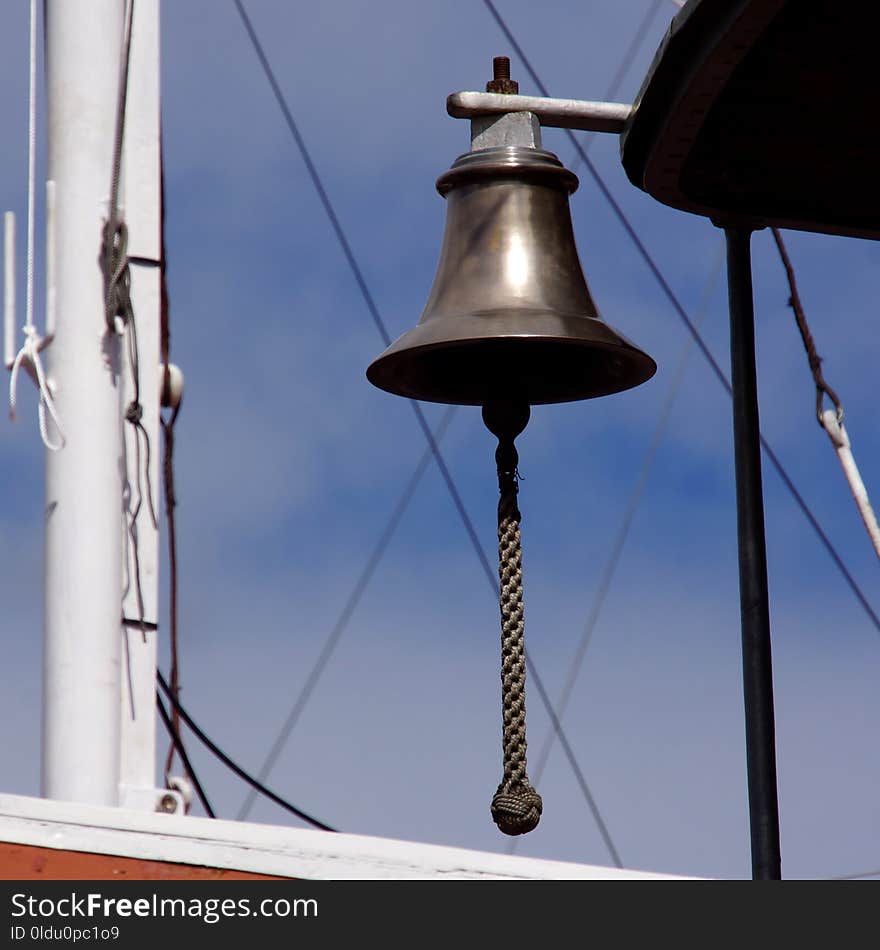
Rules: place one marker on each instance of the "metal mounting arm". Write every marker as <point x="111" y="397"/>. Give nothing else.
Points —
<point x="557" y="113"/>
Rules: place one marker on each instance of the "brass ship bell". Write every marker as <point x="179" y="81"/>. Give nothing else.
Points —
<point x="509" y="311"/>
<point x="509" y="323"/>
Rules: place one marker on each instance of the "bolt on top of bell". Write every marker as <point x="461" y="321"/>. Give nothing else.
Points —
<point x="509" y="311"/>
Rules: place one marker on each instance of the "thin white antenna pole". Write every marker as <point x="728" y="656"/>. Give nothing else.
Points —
<point x="83" y="583"/>
<point x="142" y="189"/>
<point x="51" y="261"/>
<point x="32" y="166"/>
<point x="9" y="289"/>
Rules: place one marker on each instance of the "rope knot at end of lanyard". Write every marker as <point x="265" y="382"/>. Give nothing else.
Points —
<point x="516" y="811"/>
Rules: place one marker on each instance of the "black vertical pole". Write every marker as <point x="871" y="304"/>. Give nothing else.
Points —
<point x="754" y="602"/>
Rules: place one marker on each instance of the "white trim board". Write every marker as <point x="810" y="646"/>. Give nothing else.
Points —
<point x="269" y="849"/>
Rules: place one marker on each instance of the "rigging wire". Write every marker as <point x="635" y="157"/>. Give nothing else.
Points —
<point x="573" y="764"/>
<point x="362" y="284"/>
<point x="237" y="769"/>
<point x="346" y="614"/>
<point x="830" y="421"/>
<point x="622" y="70"/>
<point x="683" y="315"/>
<point x="380" y="325"/>
<point x="574" y="668"/>
<point x="623" y="532"/>
<point x="167" y="425"/>
<point x="313" y="174"/>
<point x="813" y="358"/>
<point x="174" y="733"/>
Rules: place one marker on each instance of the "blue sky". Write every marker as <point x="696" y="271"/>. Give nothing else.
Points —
<point x="289" y="465"/>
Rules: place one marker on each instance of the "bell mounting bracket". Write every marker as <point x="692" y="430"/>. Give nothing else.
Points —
<point x="555" y="113"/>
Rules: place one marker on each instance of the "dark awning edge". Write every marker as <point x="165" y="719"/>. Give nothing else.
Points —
<point x="763" y="111"/>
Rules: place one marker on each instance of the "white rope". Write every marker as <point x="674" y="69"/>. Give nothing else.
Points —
<point x="29" y="354"/>
<point x="841" y="443"/>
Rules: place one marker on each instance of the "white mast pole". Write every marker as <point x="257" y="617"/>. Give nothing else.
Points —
<point x="142" y="214"/>
<point x="83" y="583"/>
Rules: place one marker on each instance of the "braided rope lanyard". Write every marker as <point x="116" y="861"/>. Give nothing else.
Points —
<point x="516" y="806"/>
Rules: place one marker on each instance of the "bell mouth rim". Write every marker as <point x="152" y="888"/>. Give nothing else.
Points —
<point x="392" y="371"/>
